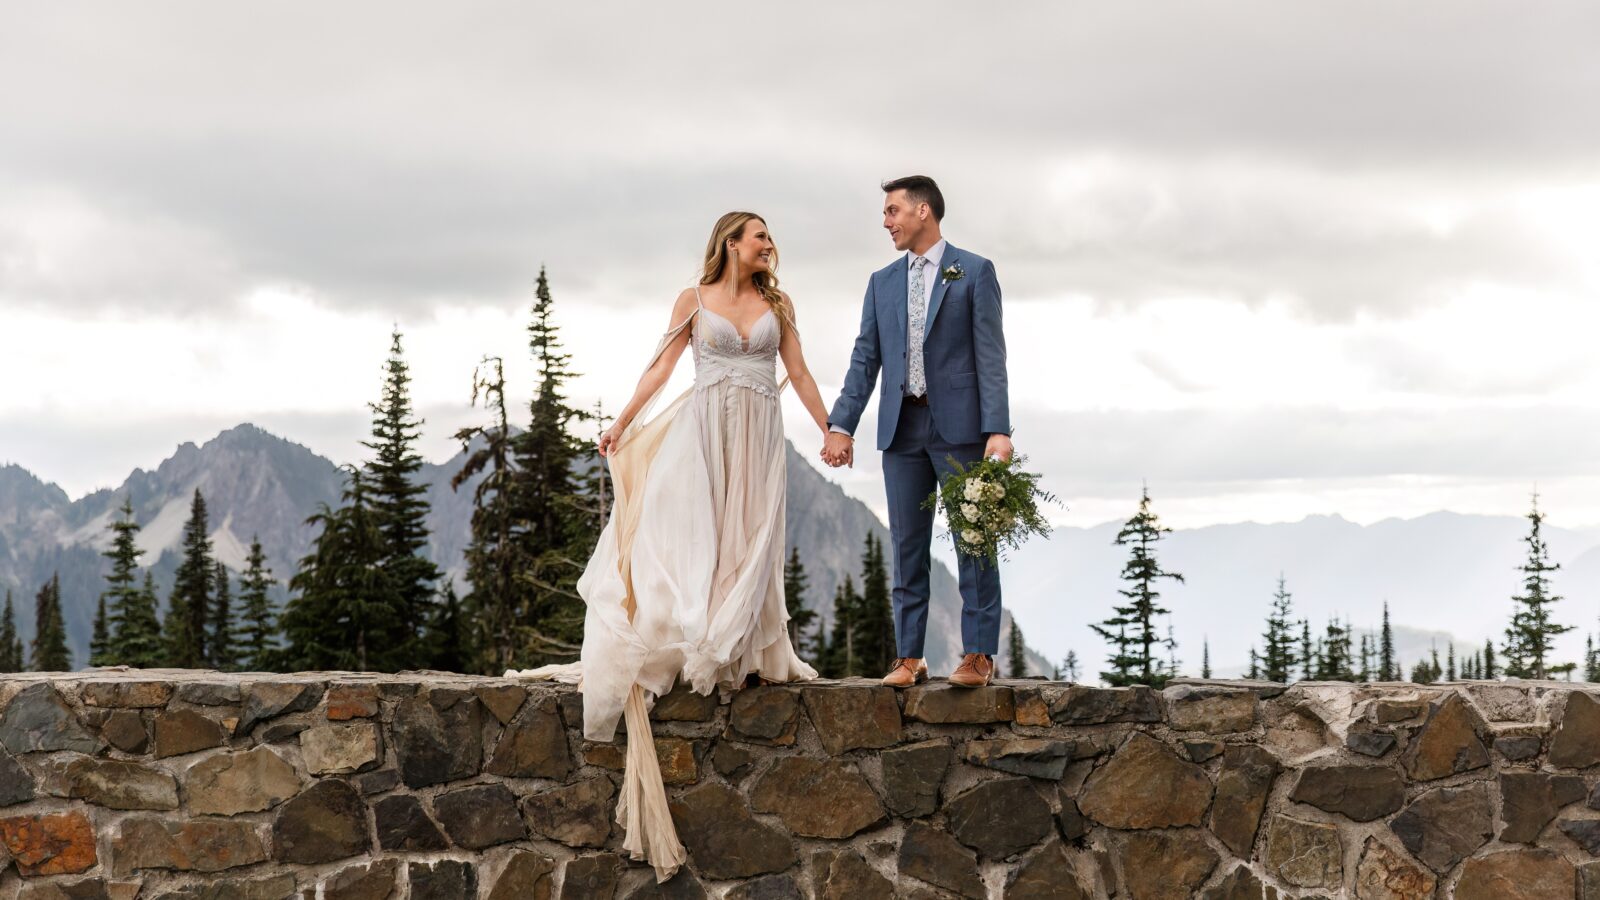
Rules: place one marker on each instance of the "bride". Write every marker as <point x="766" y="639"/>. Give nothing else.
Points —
<point x="687" y="578"/>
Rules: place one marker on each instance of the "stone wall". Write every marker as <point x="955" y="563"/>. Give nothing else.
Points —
<point x="202" y="786"/>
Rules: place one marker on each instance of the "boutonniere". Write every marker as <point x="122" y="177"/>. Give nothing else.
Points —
<point x="954" y="272"/>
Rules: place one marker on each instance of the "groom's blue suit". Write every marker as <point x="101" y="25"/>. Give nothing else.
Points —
<point x="964" y="353"/>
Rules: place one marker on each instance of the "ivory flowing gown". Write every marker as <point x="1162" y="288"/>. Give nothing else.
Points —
<point x="687" y="577"/>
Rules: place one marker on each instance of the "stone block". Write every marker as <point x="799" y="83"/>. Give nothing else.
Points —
<point x="821" y="798"/>
<point x="854" y="717"/>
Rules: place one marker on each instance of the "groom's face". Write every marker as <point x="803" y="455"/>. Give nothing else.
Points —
<point x="904" y="219"/>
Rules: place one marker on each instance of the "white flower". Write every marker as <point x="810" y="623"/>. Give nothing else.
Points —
<point x="972" y="537"/>
<point x="974" y="490"/>
<point x="995" y="491"/>
<point x="969" y="512"/>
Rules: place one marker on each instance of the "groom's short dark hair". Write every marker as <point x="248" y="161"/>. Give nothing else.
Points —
<point x="919" y="189"/>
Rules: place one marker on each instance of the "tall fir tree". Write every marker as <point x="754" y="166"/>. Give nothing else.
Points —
<point x="1205" y="657"/>
<point x="1278" y="658"/>
<point x="795" y="584"/>
<point x="193" y="592"/>
<point x="10" y="644"/>
<point x="138" y="637"/>
<point x="1334" y="662"/>
<point x="1016" y="651"/>
<point x="1491" y="669"/>
<point x="1591" y="661"/>
<point x="1388" y="667"/>
<point x="1530" y="638"/>
<point x="447" y="634"/>
<point x="841" y="659"/>
<point x="556" y="530"/>
<point x="399" y="502"/>
<point x="121" y="595"/>
<point x="1131" y="631"/>
<point x="1365" y="672"/>
<point x="1309" y="664"/>
<point x="874" y="644"/>
<point x="257" y="633"/>
<point x="221" y="644"/>
<point x="342" y="614"/>
<point x="1450" y="662"/>
<point x="49" y="650"/>
<point x="1069" y="666"/>
<point x="1255" y="665"/>
<point x="100" y="636"/>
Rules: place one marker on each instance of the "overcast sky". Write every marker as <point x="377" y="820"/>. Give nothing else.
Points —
<point x="1273" y="259"/>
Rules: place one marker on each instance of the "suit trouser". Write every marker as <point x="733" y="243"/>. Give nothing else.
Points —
<point x="915" y="463"/>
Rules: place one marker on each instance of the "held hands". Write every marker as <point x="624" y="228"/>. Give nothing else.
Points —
<point x="999" y="447"/>
<point x="838" y="450"/>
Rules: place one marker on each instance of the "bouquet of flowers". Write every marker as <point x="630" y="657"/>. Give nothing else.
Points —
<point x="992" y="506"/>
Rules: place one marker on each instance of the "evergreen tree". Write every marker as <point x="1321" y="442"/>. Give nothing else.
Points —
<point x="1591" y="662"/>
<point x="1309" y="664"/>
<point x="10" y="643"/>
<point x="1450" y="662"/>
<point x="1531" y="636"/>
<point x="1255" y="664"/>
<point x="1424" y="673"/>
<point x="221" y="643"/>
<point x="555" y="529"/>
<point x="341" y="616"/>
<point x="795" y="584"/>
<point x="257" y="635"/>
<point x="1279" y="658"/>
<point x="874" y="643"/>
<point x="1018" y="656"/>
<point x="1491" y="670"/>
<point x="50" y="652"/>
<point x="100" y="637"/>
<point x="1205" y="657"/>
<point x="841" y="659"/>
<point x="193" y="592"/>
<point x="122" y="589"/>
<point x="1388" y="666"/>
<point x="447" y="634"/>
<point x="399" y="504"/>
<point x="1069" y="666"/>
<point x="1133" y="660"/>
<point x="138" y="637"/>
<point x="1334" y="663"/>
<point x="1366" y="657"/>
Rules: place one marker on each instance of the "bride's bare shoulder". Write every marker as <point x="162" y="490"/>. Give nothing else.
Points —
<point x="685" y="302"/>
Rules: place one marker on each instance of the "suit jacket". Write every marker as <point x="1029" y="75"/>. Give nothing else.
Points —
<point x="964" y="353"/>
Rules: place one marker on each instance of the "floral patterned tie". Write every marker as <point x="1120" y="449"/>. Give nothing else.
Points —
<point x="916" y="378"/>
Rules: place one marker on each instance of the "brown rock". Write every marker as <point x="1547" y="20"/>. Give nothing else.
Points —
<point x="534" y="745"/>
<point x="1031" y="707"/>
<point x="374" y="881"/>
<point x="60" y="844"/>
<point x="83" y="889"/>
<point x="854" y="717"/>
<point x="502" y="700"/>
<point x="1305" y="854"/>
<point x="352" y="701"/>
<point x="1516" y="875"/>
<point x="231" y="783"/>
<point x="1583" y="832"/>
<point x="274" y="887"/>
<point x="404" y="827"/>
<point x="591" y="877"/>
<point x="723" y="839"/>
<point x="1072" y="823"/>
<point x="183" y="731"/>
<point x="1518" y="747"/>
<point x="1240" y="884"/>
<point x="1165" y="865"/>
<point x="764" y="715"/>
<point x="1529" y="800"/>
<point x="1448" y="743"/>
<point x="999" y="818"/>
<point x="445" y="879"/>
<point x="124" y="730"/>
<point x="941" y="703"/>
<point x="1214" y="710"/>
<point x="1033" y="757"/>
<point x="340" y="749"/>
<point x="1083" y="705"/>
<point x="578" y="815"/>
<point x="767" y="887"/>
<point x="199" y="845"/>
<point x="16" y="784"/>
<point x="210" y="693"/>
<point x="1589" y="881"/>
<point x="1203" y="751"/>
<point x="1387" y="711"/>
<point x="682" y="886"/>
<point x="127" y="694"/>
<point x="1361" y="793"/>
<point x="817" y="797"/>
<point x="1445" y="825"/>
<point x="438" y="737"/>
<point x="326" y="822"/>
<point x="681" y="704"/>
<point x="911" y="777"/>
<point x="1576" y="743"/>
<point x="1384" y="874"/>
<point x="118" y="784"/>
<point x="675" y="755"/>
<point x="845" y="875"/>
<point x="480" y="816"/>
<point x="933" y="856"/>
<point x="731" y="760"/>
<point x="1296" y="731"/>
<point x="1046" y="874"/>
<point x="1146" y="785"/>
<point x="527" y="876"/>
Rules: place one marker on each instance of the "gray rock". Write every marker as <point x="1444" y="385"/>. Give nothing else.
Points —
<point x="1445" y="825"/>
<point x="1518" y="747"/>
<point x="1046" y="874"/>
<point x="1084" y="705"/>
<point x="206" y="693"/>
<point x="534" y="746"/>
<point x="1360" y="793"/>
<point x="1146" y="785"/>
<point x="1530" y="800"/>
<point x="723" y="839"/>
<point x="1033" y="757"/>
<point x="1305" y="854"/>
<point x="681" y="704"/>
<point x="591" y="877"/>
<point x="37" y="719"/>
<point x="446" y="879"/>
<point x="527" y="876"/>
<point x="438" y="737"/>
<point x="326" y="822"/>
<point x="770" y="887"/>
<point x="374" y="881"/>
<point x="124" y="729"/>
<point x="404" y="827"/>
<point x="16" y="782"/>
<point x="118" y="784"/>
<point x="999" y="818"/>
<point x="933" y="856"/>
<point x="1576" y="743"/>
<point x="1242" y="791"/>
<point x="480" y="816"/>
<point x="181" y="731"/>
<point x="578" y="815"/>
<point x="270" y="699"/>
<point x="231" y="783"/>
<point x="911" y="777"/>
<point x="764" y="715"/>
<point x="822" y="798"/>
<point x="845" y="875"/>
<point x="1447" y="744"/>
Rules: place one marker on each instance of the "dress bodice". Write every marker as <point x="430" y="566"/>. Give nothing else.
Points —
<point x="722" y="354"/>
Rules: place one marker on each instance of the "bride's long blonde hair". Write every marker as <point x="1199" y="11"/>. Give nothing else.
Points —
<point x="731" y="228"/>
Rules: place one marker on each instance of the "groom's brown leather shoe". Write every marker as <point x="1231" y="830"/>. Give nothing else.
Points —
<point x="976" y="670"/>
<point x="906" y="672"/>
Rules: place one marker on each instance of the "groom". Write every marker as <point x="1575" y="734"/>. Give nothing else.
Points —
<point x="931" y="325"/>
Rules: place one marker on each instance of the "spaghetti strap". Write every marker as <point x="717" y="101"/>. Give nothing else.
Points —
<point x="697" y="300"/>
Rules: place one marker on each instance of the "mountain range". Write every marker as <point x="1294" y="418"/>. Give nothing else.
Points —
<point x="260" y="485"/>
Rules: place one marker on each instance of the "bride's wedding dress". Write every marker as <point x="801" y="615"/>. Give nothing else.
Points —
<point x="687" y="578"/>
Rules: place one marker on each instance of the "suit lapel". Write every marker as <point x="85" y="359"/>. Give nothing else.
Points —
<point x="951" y="254"/>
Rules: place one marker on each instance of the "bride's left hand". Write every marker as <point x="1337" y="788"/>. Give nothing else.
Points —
<point x="608" y="441"/>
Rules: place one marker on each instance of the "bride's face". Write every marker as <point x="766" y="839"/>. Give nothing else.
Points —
<point x="754" y="247"/>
